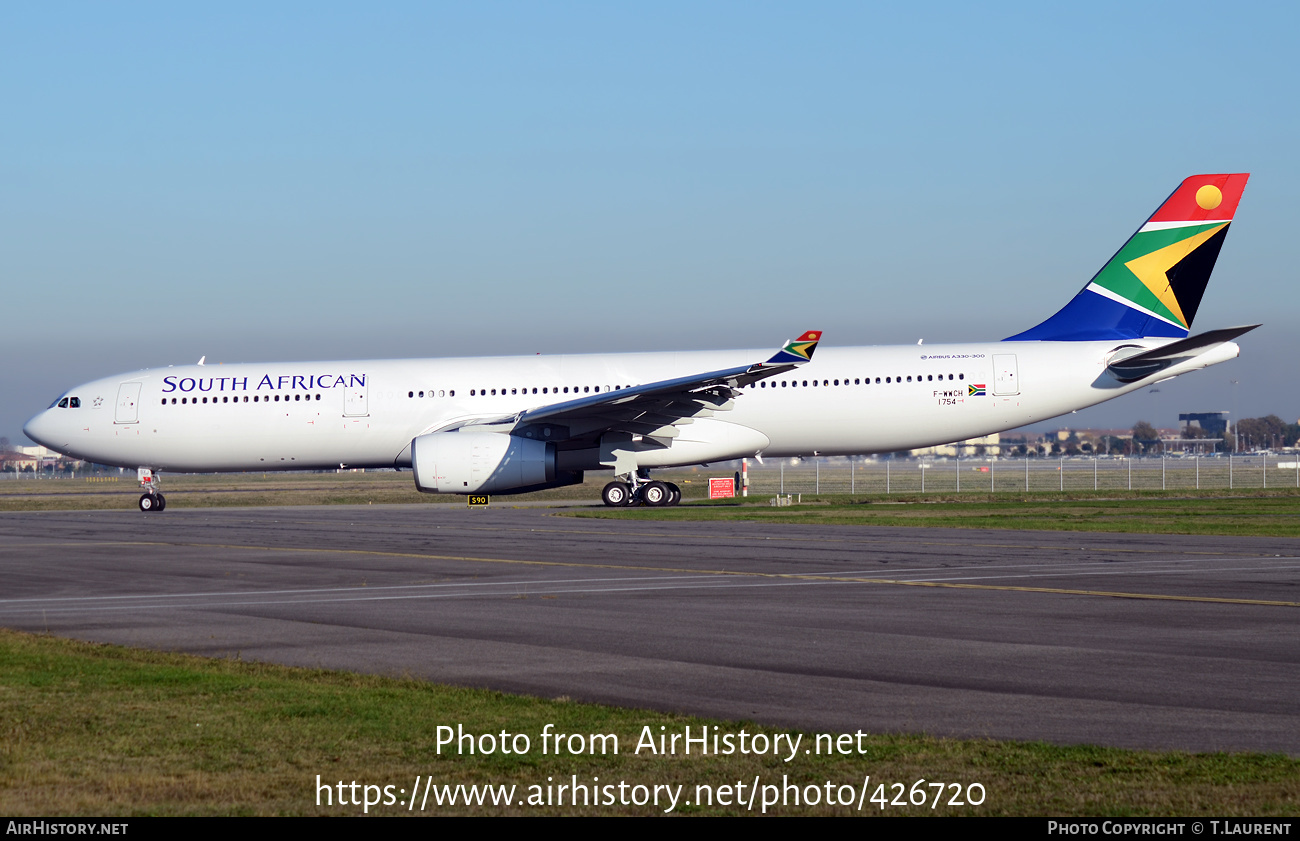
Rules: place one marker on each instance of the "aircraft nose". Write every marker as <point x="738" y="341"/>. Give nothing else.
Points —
<point x="40" y="428"/>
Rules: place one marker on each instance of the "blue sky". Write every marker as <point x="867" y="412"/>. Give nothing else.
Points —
<point x="305" y="181"/>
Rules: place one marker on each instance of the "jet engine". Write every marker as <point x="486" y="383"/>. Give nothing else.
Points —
<point x="485" y="462"/>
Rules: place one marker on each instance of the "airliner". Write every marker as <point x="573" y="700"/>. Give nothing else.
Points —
<point x="515" y="424"/>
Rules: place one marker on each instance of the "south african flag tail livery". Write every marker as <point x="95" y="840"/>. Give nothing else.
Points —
<point x="1152" y="287"/>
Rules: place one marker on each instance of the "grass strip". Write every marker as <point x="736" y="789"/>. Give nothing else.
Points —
<point x="235" y="490"/>
<point x="1243" y="513"/>
<point x="103" y="730"/>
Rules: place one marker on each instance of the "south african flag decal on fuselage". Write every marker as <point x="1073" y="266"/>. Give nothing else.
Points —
<point x="975" y="390"/>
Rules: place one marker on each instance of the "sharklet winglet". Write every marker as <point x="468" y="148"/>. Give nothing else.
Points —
<point x="796" y="351"/>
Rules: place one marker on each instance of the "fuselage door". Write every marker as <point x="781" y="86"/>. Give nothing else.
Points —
<point x="355" y="405"/>
<point x="1006" y="379"/>
<point x="128" y="403"/>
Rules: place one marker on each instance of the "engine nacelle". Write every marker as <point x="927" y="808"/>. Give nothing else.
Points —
<point x="483" y="462"/>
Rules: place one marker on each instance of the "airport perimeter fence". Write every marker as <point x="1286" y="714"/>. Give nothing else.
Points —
<point x="874" y="475"/>
<point x="1007" y="475"/>
<point x="45" y="476"/>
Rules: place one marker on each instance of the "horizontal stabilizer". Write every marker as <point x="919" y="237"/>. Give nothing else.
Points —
<point x="1144" y="363"/>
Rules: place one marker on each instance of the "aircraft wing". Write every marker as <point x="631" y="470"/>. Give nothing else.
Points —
<point x="653" y="410"/>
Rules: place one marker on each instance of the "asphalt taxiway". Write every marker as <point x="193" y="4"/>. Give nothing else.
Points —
<point x="1172" y="642"/>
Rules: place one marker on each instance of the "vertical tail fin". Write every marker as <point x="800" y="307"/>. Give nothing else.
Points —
<point x="1153" y="285"/>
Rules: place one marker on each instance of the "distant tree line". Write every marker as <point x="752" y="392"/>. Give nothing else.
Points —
<point x="1269" y="432"/>
<point x="1266" y="433"/>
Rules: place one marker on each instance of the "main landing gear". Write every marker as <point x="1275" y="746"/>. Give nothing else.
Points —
<point x="641" y="491"/>
<point x="151" y="499"/>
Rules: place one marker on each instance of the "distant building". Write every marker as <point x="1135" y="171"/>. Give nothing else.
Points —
<point x="990" y="445"/>
<point x="18" y="461"/>
<point x="34" y="458"/>
<point x="1213" y="424"/>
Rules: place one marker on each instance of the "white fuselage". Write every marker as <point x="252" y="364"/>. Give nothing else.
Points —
<point x="280" y="416"/>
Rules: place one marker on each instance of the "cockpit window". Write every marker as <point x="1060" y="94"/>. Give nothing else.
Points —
<point x="63" y="404"/>
<point x="74" y="402"/>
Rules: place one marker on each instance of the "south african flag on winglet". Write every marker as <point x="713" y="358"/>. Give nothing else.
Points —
<point x="975" y="390"/>
<point x="1153" y="285"/>
<point x="798" y="351"/>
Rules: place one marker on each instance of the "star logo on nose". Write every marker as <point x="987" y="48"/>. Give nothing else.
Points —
<point x="98" y="402"/>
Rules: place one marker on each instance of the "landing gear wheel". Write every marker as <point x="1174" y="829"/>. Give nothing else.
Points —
<point x="655" y="494"/>
<point x="674" y="493"/>
<point x="149" y="502"/>
<point x="162" y="503"/>
<point x="616" y="494"/>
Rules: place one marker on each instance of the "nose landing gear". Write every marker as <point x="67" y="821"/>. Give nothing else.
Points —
<point x="151" y="499"/>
